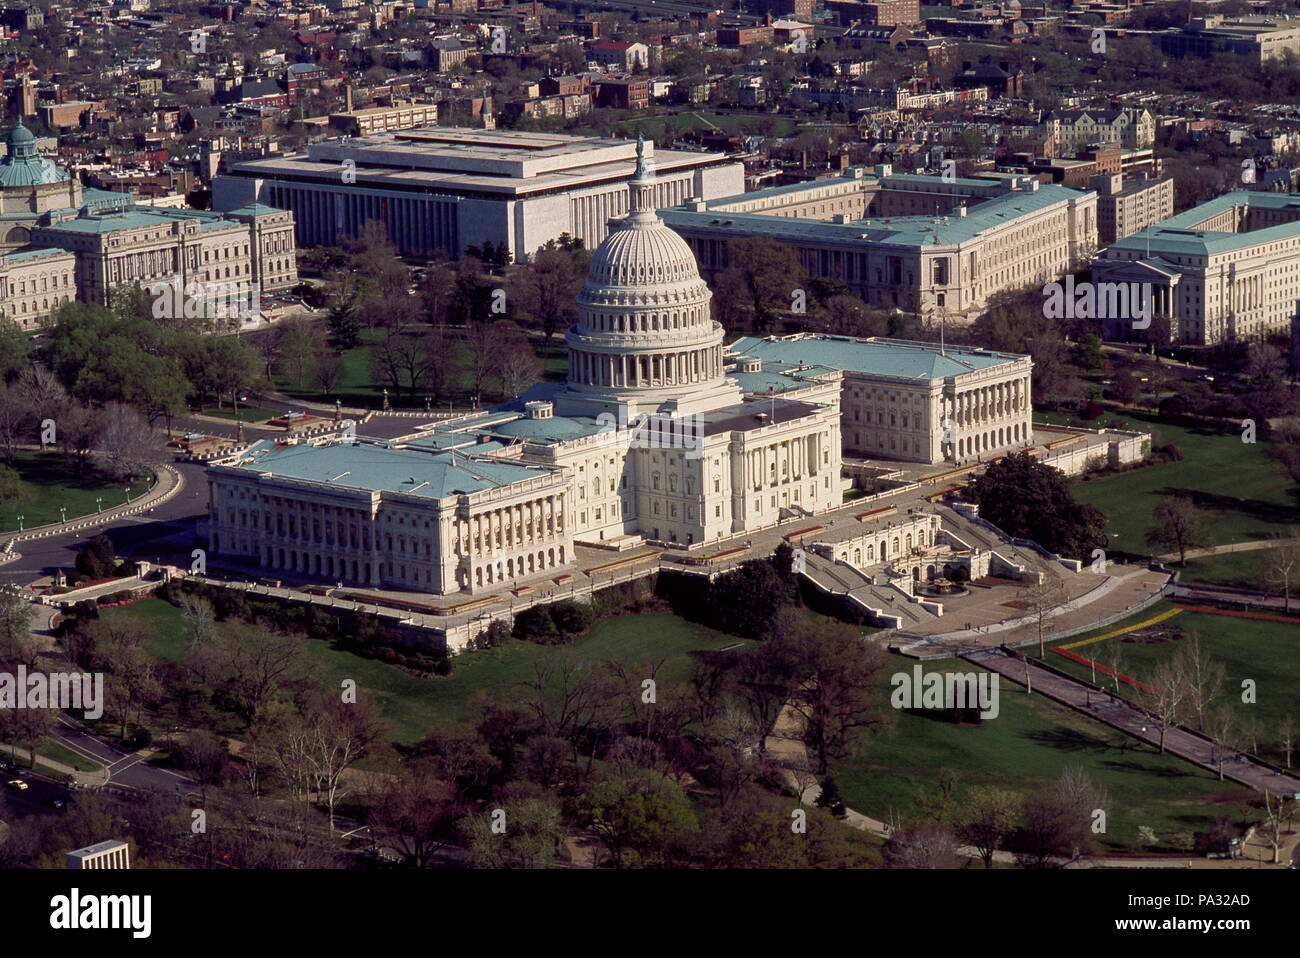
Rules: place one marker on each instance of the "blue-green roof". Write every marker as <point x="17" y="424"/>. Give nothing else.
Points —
<point x="417" y="472"/>
<point x="1179" y="234"/>
<point x="880" y="357"/>
<point x="23" y="166"/>
<point x="908" y="231"/>
<point x="144" y="216"/>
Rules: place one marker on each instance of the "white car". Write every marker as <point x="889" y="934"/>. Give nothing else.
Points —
<point x="17" y="783"/>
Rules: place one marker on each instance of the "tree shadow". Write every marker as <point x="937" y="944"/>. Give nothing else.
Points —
<point x="1270" y="512"/>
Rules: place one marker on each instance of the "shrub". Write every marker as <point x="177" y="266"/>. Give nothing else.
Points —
<point x="572" y="618"/>
<point x="1091" y="411"/>
<point x="535" y="625"/>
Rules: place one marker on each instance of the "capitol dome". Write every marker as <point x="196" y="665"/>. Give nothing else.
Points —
<point x="645" y="335"/>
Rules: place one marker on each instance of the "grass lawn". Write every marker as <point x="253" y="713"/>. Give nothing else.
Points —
<point x="1265" y="652"/>
<point x="1240" y="569"/>
<point x="1244" y="493"/>
<point x="358" y="387"/>
<point x="413" y="705"/>
<point x="48" y="483"/>
<point x="246" y="413"/>
<point x="1029" y="744"/>
<point x="59" y="753"/>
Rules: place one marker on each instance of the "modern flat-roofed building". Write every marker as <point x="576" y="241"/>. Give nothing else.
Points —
<point x="1261" y="38"/>
<point x="923" y="244"/>
<point x="443" y="189"/>
<point x="1227" y="269"/>
<point x="109" y="854"/>
<point x="382" y="119"/>
<point x="1128" y="207"/>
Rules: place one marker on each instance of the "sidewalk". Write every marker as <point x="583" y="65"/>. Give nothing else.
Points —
<point x="81" y="778"/>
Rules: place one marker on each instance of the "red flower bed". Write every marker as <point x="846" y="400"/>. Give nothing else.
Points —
<point x="1101" y="668"/>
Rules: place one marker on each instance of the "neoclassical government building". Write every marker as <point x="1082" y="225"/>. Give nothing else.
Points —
<point x="660" y="434"/>
<point x="60" y="241"/>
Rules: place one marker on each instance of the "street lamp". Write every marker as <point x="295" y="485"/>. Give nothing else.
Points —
<point x="127" y="490"/>
<point x="20" y="523"/>
<point x="99" y="504"/>
<point x="63" y="513"/>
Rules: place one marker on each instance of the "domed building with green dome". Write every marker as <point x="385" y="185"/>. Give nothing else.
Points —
<point x="29" y="186"/>
<point x="61" y="241"/>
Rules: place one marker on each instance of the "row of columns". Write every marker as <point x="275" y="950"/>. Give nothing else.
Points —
<point x="645" y="369"/>
<point x="990" y="403"/>
<point x="650" y="323"/>
<point x="509" y="527"/>
<point x="800" y="455"/>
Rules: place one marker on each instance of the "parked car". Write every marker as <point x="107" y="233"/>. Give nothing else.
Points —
<point x="17" y="783"/>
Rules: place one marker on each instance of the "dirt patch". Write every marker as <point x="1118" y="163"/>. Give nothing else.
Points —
<point x="1017" y="604"/>
<point x="1229" y="798"/>
<point x="1154" y="636"/>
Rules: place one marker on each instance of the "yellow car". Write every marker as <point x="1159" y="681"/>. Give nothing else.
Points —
<point x="17" y="783"/>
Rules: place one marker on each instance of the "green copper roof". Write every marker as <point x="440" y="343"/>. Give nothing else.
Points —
<point x="880" y="357"/>
<point x="24" y="166"/>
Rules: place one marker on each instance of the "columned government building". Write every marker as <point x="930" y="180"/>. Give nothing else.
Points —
<point x="660" y="434"/>
<point x="1227" y="269"/>
<point x="61" y="242"/>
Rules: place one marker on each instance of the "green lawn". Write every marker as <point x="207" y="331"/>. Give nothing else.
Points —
<point x="246" y="413"/>
<point x="1267" y="653"/>
<point x="1240" y="569"/>
<point x="1244" y="493"/>
<point x="59" y="753"/>
<point x="413" y="705"/>
<point x="48" y="483"/>
<point x="358" y="387"/>
<point x="1029" y="743"/>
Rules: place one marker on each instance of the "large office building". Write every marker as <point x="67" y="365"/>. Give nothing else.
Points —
<point x="1261" y="38"/>
<point x="443" y="189"/>
<point x="1227" y="269"/>
<point x="659" y="434"/>
<point x="1125" y="207"/>
<point x="60" y="241"/>
<point x="925" y="244"/>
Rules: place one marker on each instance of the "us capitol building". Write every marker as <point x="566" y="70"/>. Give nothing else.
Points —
<point x="660" y="434"/>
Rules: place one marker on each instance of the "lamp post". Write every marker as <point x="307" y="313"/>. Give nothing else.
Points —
<point x="20" y="523"/>
<point x="63" y="513"/>
<point x="99" y="505"/>
<point x="127" y="490"/>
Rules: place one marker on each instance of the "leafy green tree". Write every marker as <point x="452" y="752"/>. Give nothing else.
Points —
<point x="643" y="820"/>
<point x="344" y="327"/>
<point x="1025" y="498"/>
<point x="746" y="600"/>
<point x="14" y="349"/>
<point x="528" y="835"/>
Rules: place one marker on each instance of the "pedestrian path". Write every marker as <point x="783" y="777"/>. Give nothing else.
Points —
<point x="1128" y="718"/>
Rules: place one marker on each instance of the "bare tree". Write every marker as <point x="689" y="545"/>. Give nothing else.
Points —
<point x="1180" y="526"/>
<point x="518" y="367"/>
<point x="1221" y="727"/>
<point x="126" y="444"/>
<point x="1204" y="677"/>
<point x="1283" y="809"/>
<point x="1168" y="695"/>
<point x="1282" y="569"/>
<point x="1043" y="598"/>
<point x="1286" y="737"/>
<point x="339" y="735"/>
<point x="17" y="421"/>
